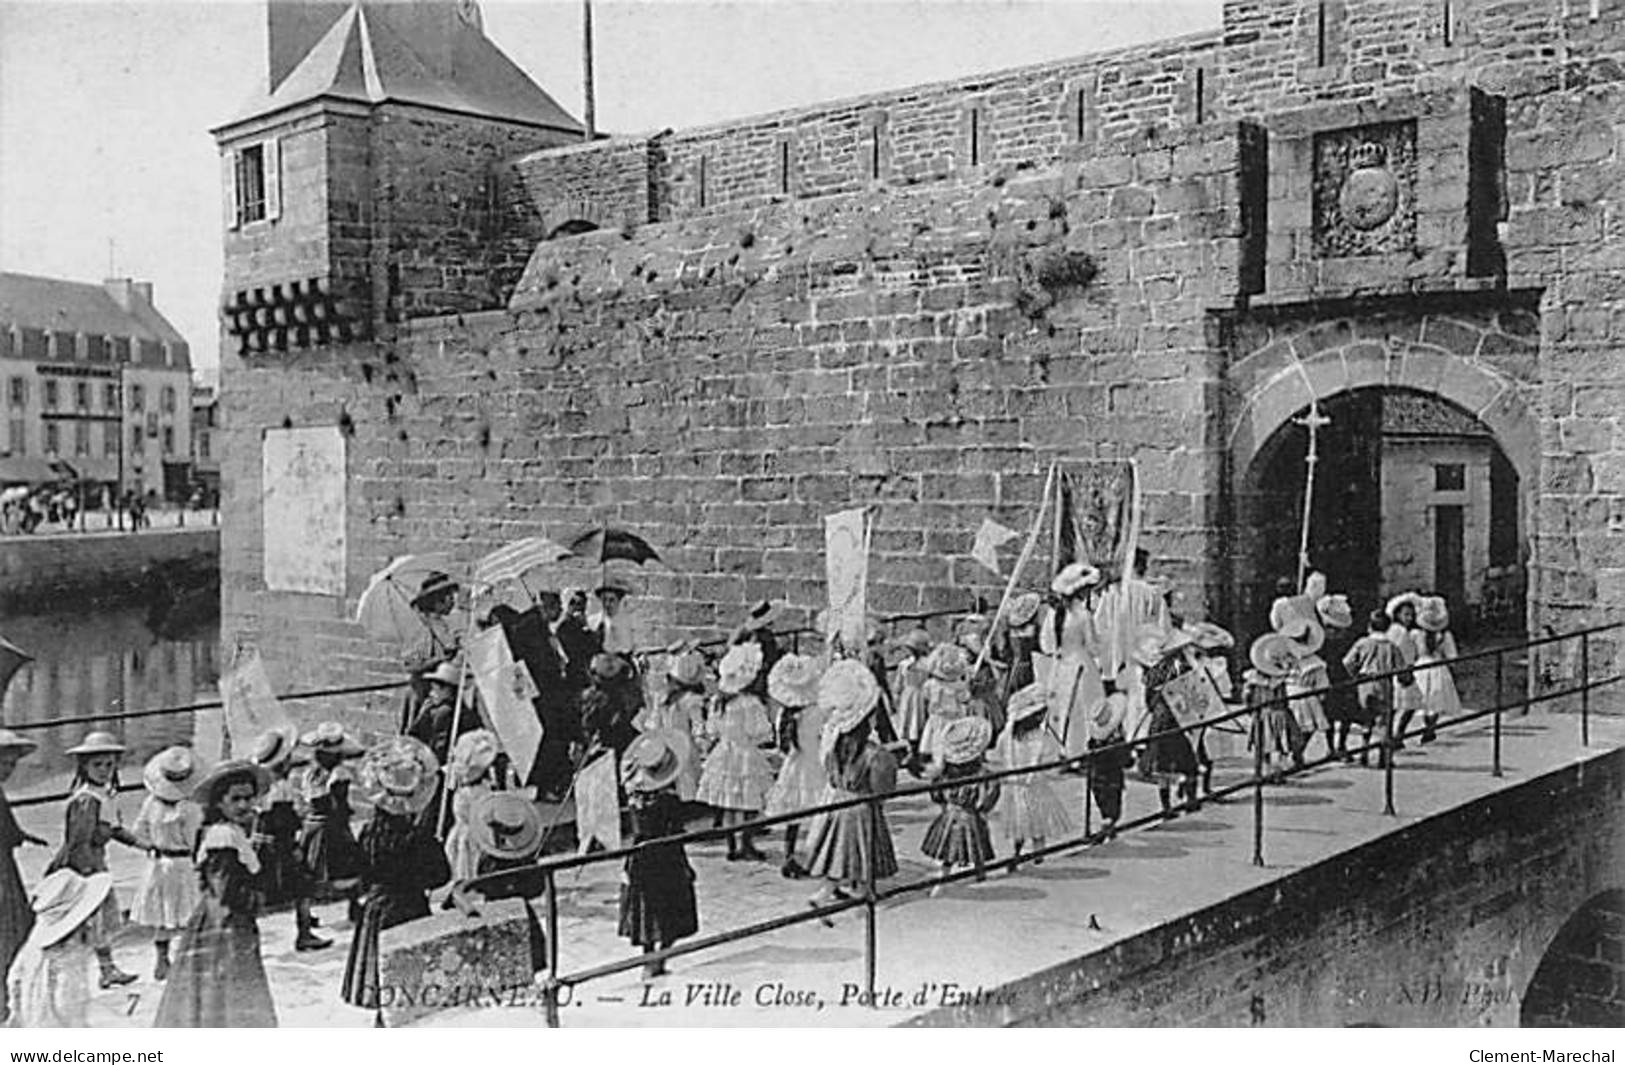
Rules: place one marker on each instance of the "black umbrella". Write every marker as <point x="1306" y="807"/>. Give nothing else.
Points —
<point x="603" y="545"/>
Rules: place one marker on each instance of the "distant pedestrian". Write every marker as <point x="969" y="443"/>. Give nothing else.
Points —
<point x="167" y="827"/>
<point x="657" y="905"/>
<point x="959" y="835"/>
<point x="1375" y="656"/>
<point x="16" y="916"/>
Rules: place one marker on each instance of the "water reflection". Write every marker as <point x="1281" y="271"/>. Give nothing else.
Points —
<point x="100" y="659"/>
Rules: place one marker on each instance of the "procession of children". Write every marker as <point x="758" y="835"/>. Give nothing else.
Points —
<point x="1093" y="677"/>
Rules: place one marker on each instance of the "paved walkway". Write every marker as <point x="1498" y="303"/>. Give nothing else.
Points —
<point x="971" y="936"/>
<point x="96" y="524"/>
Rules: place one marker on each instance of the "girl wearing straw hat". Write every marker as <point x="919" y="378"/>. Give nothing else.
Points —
<point x="852" y="845"/>
<point x="276" y="833"/>
<point x="737" y="776"/>
<point x="218" y="979"/>
<point x="16" y="916"/>
<point x="167" y="827"/>
<point x="1274" y="660"/>
<point x="404" y="860"/>
<point x="1168" y="758"/>
<point x="1342" y="704"/>
<point x="947" y="699"/>
<point x="1434" y="644"/>
<point x="49" y="983"/>
<point x="793" y="684"/>
<point x="505" y="829"/>
<point x="657" y="906"/>
<point x="1308" y="679"/>
<point x="327" y="845"/>
<point x="959" y="835"/>
<point x="469" y="775"/>
<point x="93" y="796"/>
<point x="1402" y="634"/>
<point x="911" y="673"/>
<point x="1029" y="808"/>
<point x="682" y="715"/>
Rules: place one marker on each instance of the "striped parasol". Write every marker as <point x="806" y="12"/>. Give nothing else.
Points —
<point x="512" y="561"/>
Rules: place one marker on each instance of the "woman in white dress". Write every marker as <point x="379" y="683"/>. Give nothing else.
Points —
<point x="1068" y="636"/>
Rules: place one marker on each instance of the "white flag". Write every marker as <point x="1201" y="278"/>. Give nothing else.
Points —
<point x="251" y="704"/>
<point x="989" y="538"/>
<point x="846" y="560"/>
<point x="598" y="804"/>
<point x="506" y="689"/>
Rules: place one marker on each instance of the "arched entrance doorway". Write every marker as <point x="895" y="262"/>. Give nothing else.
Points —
<point x="1412" y="491"/>
<point x="1580" y="981"/>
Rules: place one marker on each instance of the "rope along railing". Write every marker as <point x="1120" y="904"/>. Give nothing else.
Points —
<point x="541" y="880"/>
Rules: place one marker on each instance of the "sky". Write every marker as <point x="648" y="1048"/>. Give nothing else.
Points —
<point x="107" y="167"/>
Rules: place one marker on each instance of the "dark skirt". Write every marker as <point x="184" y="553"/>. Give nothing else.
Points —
<point x="217" y="980"/>
<point x="657" y="902"/>
<point x="850" y="843"/>
<point x="328" y="850"/>
<point x="16" y="917"/>
<point x="378" y="912"/>
<point x="958" y="837"/>
<point x="285" y="877"/>
<point x="1168" y="753"/>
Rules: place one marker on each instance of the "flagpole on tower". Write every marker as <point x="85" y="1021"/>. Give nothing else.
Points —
<point x="1314" y="421"/>
<point x="590" y="106"/>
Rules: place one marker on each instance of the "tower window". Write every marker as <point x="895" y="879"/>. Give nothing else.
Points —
<point x="1449" y="477"/>
<point x="255" y="183"/>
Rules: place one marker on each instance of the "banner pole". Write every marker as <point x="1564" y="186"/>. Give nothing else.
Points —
<point x="1015" y="574"/>
<point x="456" y="719"/>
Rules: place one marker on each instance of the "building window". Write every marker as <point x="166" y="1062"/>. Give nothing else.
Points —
<point x="138" y="398"/>
<point x="135" y="439"/>
<point x="255" y="183"/>
<point x="169" y="398"/>
<point x="81" y="438"/>
<point x="203" y="445"/>
<point x="110" y="439"/>
<point x="19" y="437"/>
<point x="81" y="395"/>
<point x="53" y="438"/>
<point x="50" y="395"/>
<point x="1450" y="477"/>
<point x="169" y="440"/>
<point x="110" y="398"/>
<point x="152" y="424"/>
<point x="19" y="392"/>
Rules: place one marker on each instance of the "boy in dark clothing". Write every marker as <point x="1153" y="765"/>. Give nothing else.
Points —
<point x="1373" y="655"/>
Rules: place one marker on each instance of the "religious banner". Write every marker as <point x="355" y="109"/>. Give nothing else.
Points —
<point x="1098" y="521"/>
<point x="598" y="804"/>
<point x="846" y="558"/>
<point x="1191" y="698"/>
<point x="251" y="704"/>
<point x="989" y="538"/>
<point x="302" y="497"/>
<point x="507" y="690"/>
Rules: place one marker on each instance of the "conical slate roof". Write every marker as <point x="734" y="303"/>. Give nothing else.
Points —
<point x="428" y="53"/>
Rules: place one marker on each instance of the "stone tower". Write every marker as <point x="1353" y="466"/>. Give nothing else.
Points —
<point x="361" y="188"/>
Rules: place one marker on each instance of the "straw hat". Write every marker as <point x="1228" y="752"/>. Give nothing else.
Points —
<point x="97" y="743"/>
<point x="1400" y="600"/>
<point x="206" y="791"/>
<point x="1273" y="655"/>
<point x="763" y="615"/>
<point x="1023" y="608"/>
<point x="1074" y="579"/>
<point x="275" y="747"/>
<point x="849" y="692"/>
<point x="916" y="641"/>
<point x="505" y="825"/>
<point x="63" y="901"/>
<point x="1334" y="612"/>
<point x="739" y="667"/>
<point x="687" y="669"/>
<point x="1306" y="634"/>
<point x="433" y="585"/>
<point x="330" y="738"/>
<point x="652" y="761"/>
<point x="1029" y="702"/>
<point x="473" y="755"/>
<point x="172" y="773"/>
<point x="1107" y="718"/>
<point x="1288" y="607"/>
<point x="793" y="681"/>
<point x="14" y="741"/>
<point x="613" y="589"/>
<point x="448" y="673"/>
<point x="965" y="739"/>
<point x="1209" y="637"/>
<point x="1153" y="644"/>
<point x="1434" y="614"/>
<point x="949" y="664"/>
<point x="399" y="775"/>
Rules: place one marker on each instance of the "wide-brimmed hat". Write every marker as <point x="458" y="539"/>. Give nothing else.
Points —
<point x="1152" y="645"/>
<point x="1287" y="607"/>
<point x="97" y="743"/>
<point x="739" y="667"/>
<point x="473" y="755"/>
<point x="605" y="666"/>
<point x="1434" y="614"/>
<point x="948" y="663"/>
<point x="207" y="789"/>
<point x="399" y="775"/>
<point x="1106" y="717"/>
<point x="1334" y="611"/>
<point x="1029" y="702"/>
<point x="275" y="747"/>
<point x="15" y="741"/>
<point x="761" y="616"/>
<point x="433" y="585"/>
<point x="330" y="738"/>
<point x="1023" y="608"/>
<point x="1307" y="635"/>
<point x="613" y="588"/>
<point x="965" y="739"/>
<point x="916" y="641"/>
<point x="793" y="681"/>
<point x="687" y="669"/>
<point x="172" y="773"/>
<point x="848" y="692"/>
<point x="1074" y="579"/>
<point x="505" y="825"/>
<point x="1208" y="636"/>
<point x="653" y="760"/>
<point x="1273" y="655"/>
<point x="1400" y="600"/>
<point x="63" y="901"/>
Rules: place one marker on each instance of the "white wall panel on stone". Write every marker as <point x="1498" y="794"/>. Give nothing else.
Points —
<point x="303" y="507"/>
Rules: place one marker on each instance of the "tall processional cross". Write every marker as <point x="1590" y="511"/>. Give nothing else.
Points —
<point x="1314" y="421"/>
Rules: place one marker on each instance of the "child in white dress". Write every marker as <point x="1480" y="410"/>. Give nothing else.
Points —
<point x="1435" y="644"/>
<point x="793" y="684"/>
<point x="1029" y="808"/>
<point x="167" y="827"/>
<point x="469" y="774"/>
<point x="49" y="982"/>
<point x="737" y="774"/>
<point x="681" y="712"/>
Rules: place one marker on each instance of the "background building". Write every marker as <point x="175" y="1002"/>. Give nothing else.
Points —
<point x="96" y="381"/>
<point x="205" y="451"/>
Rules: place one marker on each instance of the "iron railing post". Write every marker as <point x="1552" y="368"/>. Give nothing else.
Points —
<point x="1390" y="747"/>
<point x="550" y="987"/>
<point x="1258" y="786"/>
<point x="1088" y="791"/>
<point x="1585" y="689"/>
<point x="871" y="809"/>
<point x="1500" y="672"/>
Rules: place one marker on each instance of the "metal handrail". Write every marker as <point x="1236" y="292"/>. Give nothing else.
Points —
<point x="541" y="878"/>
